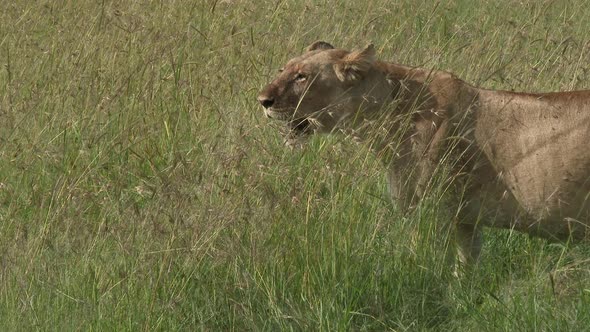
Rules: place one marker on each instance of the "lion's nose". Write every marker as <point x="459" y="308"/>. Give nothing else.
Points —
<point x="266" y="101"/>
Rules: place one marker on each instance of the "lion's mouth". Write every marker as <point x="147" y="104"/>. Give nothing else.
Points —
<point x="295" y="126"/>
<point x="279" y="114"/>
<point x="299" y="127"/>
<point x="295" y="130"/>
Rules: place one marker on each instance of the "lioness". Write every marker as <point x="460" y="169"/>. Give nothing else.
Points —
<point x="515" y="160"/>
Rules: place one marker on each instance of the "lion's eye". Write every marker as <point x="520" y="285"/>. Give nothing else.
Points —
<point x="300" y="78"/>
<point x="281" y="70"/>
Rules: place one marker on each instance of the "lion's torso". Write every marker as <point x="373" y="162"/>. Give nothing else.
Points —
<point x="528" y="161"/>
<point x="537" y="144"/>
<point x="517" y="160"/>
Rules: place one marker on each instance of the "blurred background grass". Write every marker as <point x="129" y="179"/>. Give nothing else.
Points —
<point x="142" y="189"/>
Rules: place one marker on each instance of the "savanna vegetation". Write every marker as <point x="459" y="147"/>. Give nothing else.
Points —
<point x="142" y="189"/>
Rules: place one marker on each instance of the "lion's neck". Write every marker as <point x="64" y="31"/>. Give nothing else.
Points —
<point x="384" y="102"/>
<point x="397" y="101"/>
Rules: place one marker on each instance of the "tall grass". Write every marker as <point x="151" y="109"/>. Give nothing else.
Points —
<point x="141" y="188"/>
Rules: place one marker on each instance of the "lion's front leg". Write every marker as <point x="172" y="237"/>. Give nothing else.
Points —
<point x="401" y="190"/>
<point x="468" y="239"/>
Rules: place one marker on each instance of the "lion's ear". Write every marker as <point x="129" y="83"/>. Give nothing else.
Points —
<point x="319" y="45"/>
<point x="355" y="64"/>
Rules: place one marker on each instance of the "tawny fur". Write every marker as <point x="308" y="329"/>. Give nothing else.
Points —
<point x="518" y="160"/>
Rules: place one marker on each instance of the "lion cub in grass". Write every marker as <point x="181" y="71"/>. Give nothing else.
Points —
<point x="513" y="160"/>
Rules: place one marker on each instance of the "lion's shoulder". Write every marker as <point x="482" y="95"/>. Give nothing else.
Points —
<point x="443" y="89"/>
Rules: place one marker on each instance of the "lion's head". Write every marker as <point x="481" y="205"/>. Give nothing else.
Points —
<point x="317" y="90"/>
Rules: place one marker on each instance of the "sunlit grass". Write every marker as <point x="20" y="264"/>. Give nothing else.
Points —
<point x="141" y="188"/>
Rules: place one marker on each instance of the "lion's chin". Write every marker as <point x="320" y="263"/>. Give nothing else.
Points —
<point x="297" y="132"/>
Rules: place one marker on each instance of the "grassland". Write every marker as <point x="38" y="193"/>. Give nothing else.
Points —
<point x="141" y="188"/>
